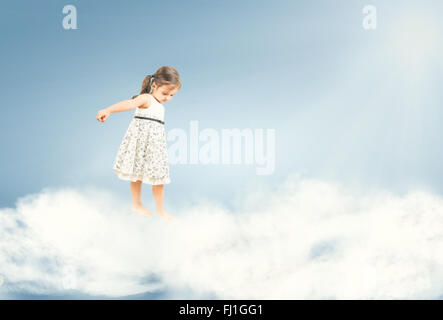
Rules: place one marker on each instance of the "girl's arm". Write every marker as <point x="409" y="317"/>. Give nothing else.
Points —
<point x="141" y="101"/>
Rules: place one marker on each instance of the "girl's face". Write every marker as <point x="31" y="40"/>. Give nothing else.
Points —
<point x="163" y="93"/>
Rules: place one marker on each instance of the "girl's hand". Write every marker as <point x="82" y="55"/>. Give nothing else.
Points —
<point x="103" y="114"/>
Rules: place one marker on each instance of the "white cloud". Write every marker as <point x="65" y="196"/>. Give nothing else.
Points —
<point x="307" y="239"/>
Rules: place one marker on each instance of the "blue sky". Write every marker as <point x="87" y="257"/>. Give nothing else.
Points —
<point x="243" y="65"/>
<point x="350" y="106"/>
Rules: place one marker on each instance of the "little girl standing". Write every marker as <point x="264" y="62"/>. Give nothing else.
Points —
<point x="142" y="156"/>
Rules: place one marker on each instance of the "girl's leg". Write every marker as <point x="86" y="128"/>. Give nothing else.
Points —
<point x="158" y="191"/>
<point x="137" y="205"/>
<point x="136" y="188"/>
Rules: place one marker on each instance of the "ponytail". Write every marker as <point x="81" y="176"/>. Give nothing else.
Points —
<point x="146" y="85"/>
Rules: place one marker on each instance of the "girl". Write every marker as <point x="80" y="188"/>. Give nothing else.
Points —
<point x="142" y="156"/>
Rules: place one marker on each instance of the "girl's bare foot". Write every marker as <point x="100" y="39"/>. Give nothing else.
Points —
<point x="165" y="215"/>
<point x="141" y="209"/>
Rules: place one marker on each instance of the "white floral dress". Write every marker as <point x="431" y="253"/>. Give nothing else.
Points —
<point x="143" y="152"/>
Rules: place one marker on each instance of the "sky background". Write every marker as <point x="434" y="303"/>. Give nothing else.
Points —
<point x="356" y="114"/>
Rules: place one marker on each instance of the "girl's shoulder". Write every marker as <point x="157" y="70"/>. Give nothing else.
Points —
<point x="147" y="100"/>
<point x="150" y="98"/>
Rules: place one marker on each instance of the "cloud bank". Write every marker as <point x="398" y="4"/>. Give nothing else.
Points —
<point x="305" y="239"/>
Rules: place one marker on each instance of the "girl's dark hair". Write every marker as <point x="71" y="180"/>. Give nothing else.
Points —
<point x="165" y="75"/>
